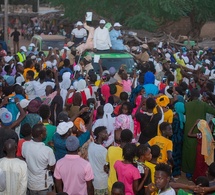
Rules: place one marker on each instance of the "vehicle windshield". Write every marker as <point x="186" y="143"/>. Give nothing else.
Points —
<point x="115" y="62"/>
<point x="52" y="43"/>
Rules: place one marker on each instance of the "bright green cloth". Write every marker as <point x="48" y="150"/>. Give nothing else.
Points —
<point x="50" y="130"/>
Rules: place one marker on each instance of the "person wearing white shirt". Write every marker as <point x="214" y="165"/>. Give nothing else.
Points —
<point x="78" y="33"/>
<point x="40" y="160"/>
<point x="40" y="86"/>
<point x="14" y="169"/>
<point x="97" y="157"/>
<point x="102" y="37"/>
<point x="2" y="180"/>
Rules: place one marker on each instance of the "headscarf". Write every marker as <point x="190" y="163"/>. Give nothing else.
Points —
<point x="134" y="93"/>
<point x="80" y="124"/>
<point x="105" y="91"/>
<point x="180" y="110"/>
<point x="81" y="85"/>
<point x="122" y="121"/>
<point x="162" y="101"/>
<point x="65" y="84"/>
<point x="180" y="98"/>
<point x="107" y="119"/>
<point x="207" y="141"/>
<point x="149" y="78"/>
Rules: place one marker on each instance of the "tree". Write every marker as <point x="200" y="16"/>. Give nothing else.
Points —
<point x="143" y="14"/>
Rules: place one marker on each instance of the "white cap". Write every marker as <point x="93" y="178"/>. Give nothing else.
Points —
<point x="32" y="45"/>
<point x="23" y="48"/>
<point x="63" y="127"/>
<point x="66" y="48"/>
<point x="20" y="63"/>
<point x="24" y="103"/>
<point x="33" y="57"/>
<point x="79" y="23"/>
<point x="8" y="58"/>
<point x="102" y="22"/>
<point x="117" y="24"/>
<point x="50" y="48"/>
<point x="207" y="61"/>
<point x="48" y="64"/>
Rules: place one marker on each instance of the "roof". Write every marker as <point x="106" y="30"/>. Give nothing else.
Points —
<point x="50" y="37"/>
<point x="113" y="54"/>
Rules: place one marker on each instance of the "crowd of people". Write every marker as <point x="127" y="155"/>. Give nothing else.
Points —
<point x="67" y="130"/>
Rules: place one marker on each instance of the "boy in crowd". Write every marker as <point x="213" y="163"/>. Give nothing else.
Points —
<point x="118" y="188"/>
<point x="162" y="179"/>
<point x="164" y="143"/>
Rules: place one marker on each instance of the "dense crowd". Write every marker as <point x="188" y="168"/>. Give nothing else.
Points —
<point x="66" y="129"/>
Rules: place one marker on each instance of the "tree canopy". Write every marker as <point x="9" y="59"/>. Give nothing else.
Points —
<point x="139" y="14"/>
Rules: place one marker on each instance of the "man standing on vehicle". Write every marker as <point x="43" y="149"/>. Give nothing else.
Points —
<point x="15" y="34"/>
<point x="116" y="37"/>
<point x="102" y="38"/>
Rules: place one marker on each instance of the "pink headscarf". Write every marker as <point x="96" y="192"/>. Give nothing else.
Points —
<point x="105" y="90"/>
<point x="122" y="121"/>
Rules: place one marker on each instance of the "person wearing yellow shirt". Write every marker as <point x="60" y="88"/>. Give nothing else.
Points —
<point x="155" y="151"/>
<point x="164" y="143"/>
<point x="28" y="66"/>
<point x="114" y="153"/>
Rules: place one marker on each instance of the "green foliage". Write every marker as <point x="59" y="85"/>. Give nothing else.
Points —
<point x="138" y="14"/>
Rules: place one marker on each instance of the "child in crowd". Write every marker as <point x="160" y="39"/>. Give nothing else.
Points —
<point x="28" y="86"/>
<point x="118" y="188"/>
<point x="162" y="179"/>
<point x="155" y="151"/>
<point x="126" y="83"/>
<point x="126" y="109"/>
<point x="164" y="143"/>
<point x="127" y="172"/>
<point x="143" y="155"/>
<point x="123" y="98"/>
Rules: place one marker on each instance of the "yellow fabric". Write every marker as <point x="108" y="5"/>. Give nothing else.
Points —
<point x="151" y="166"/>
<point x="119" y="89"/>
<point x="165" y="146"/>
<point x="162" y="101"/>
<point x="22" y="57"/>
<point x="152" y="169"/>
<point x="25" y="72"/>
<point x="207" y="142"/>
<point x="168" y="116"/>
<point x="114" y="153"/>
<point x="178" y="70"/>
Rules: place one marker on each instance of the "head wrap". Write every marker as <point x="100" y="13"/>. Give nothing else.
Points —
<point x="149" y="78"/>
<point x="105" y="90"/>
<point x="81" y="85"/>
<point x="122" y="121"/>
<point x="180" y="110"/>
<point x="162" y="101"/>
<point x="80" y="124"/>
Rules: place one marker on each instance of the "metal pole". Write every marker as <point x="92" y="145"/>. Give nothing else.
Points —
<point x="5" y="20"/>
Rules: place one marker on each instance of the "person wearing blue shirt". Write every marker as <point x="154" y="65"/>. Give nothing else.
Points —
<point x="116" y="37"/>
